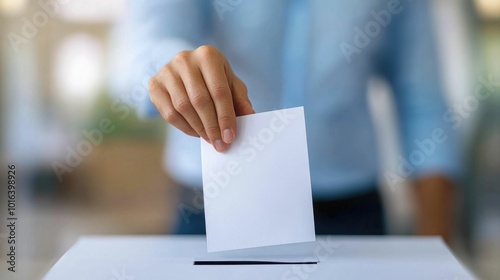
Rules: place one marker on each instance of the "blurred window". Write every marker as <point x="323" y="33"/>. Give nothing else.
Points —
<point x="78" y="69"/>
<point x="12" y="7"/>
<point x="98" y="11"/>
<point x="489" y="9"/>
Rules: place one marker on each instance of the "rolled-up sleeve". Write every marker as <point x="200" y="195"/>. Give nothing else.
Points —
<point x="430" y="144"/>
<point x="152" y="33"/>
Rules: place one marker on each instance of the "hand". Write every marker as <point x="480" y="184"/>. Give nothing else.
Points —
<point x="198" y="93"/>
<point x="435" y="197"/>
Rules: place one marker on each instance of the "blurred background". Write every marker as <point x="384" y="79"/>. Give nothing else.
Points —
<point x="54" y="66"/>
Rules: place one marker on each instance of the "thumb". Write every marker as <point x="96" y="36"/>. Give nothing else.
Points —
<point x="241" y="102"/>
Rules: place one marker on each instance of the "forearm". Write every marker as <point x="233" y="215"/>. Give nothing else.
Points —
<point x="435" y="195"/>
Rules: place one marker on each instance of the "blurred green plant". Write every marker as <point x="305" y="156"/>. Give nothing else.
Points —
<point x="131" y="126"/>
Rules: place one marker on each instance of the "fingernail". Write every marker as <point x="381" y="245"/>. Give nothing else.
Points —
<point x="220" y="146"/>
<point x="228" y="135"/>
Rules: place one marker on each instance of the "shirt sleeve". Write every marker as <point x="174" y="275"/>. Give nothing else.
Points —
<point x="152" y="33"/>
<point x="410" y="63"/>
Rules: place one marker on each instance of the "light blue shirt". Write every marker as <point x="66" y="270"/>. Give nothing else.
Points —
<point x="316" y="54"/>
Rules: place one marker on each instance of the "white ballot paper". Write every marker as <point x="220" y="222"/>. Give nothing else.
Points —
<point x="297" y="253"/>
<point x="258" y="193"/>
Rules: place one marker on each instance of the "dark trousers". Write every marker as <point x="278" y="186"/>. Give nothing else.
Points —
<point x="361" y="214"/>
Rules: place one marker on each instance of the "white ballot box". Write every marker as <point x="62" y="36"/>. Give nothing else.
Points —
<point x="171" y="257"/>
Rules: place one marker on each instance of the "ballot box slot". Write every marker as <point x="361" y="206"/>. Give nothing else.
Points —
<point x="249" y="262"/>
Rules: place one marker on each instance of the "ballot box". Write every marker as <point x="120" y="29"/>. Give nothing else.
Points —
<point x="173" y="257"/>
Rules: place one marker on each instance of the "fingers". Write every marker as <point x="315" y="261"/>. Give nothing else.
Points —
<point x="202" y="102"/>
<point x="182" y="104"/>
<point x="161" y="99"/>
<point x="241" y="102"/>
<point x="198" y="93"/>
<point x="214" y="75"/>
